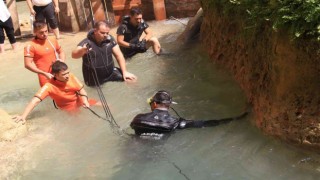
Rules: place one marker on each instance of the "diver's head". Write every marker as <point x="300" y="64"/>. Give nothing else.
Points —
<point x="101" y="31"/>
<point x="135" y="16"/>
<point x="60" y="71"/>
<point x="161" y="99"/>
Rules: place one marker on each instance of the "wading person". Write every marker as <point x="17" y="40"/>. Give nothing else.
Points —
<point x="129" y="35"/>
<point x="96" y="51"/>
<point x="44" y="10"/>
<point x="65" y="89"/>
<point x="7" y="26"/>
<point x="41" y="52"/>
<point x="159" y="121"/>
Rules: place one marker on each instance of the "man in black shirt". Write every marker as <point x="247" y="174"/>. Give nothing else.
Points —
<point x="129" y="35"/>
<point x="96" y="51"/>
<point x="159" y="121"/>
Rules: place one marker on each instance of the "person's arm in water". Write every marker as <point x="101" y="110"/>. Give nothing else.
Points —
<point x="122" y="64"/>
<point x="29" y="64"/>
<point x="79" y="51"/>
<point x="30" y="5"/>
<point x="32" y="104"/>
<point x="84" y="97"/>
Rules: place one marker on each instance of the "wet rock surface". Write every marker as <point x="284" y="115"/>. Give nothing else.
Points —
<point x="280" y="76"/>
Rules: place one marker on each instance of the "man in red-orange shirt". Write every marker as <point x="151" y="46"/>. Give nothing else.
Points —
<point x="41" y="52"/>
<point x="64" y="88"/>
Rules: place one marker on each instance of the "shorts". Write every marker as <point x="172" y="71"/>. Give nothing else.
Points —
<point x="46" y="13"/>
<point x="8" y="27"/>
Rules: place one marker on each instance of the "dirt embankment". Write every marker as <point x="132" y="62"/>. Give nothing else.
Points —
<point x="279" y="76"/>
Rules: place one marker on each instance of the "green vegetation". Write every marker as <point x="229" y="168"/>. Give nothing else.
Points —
<point x="300" y="17"/>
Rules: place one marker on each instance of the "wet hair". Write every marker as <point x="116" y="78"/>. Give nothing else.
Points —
<point x="162" y="97"/>
<point x="58" y="66"/>
<point x="135" y="11"/>
<point x="37" y="25"/>
<point x="100" y="23"/>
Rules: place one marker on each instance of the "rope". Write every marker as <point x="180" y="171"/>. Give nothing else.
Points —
<point x="109" y="117"/>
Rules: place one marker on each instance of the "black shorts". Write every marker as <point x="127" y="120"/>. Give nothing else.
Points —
<point x="46" y="13"/>
<point x="8" y="27"/>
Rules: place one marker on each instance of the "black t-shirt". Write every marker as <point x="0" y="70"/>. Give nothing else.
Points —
<point x="157" y="121"/>
<point x="131" y="33"/>
<point x="100" y="57"/>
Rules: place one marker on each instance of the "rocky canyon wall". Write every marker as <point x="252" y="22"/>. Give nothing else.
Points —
<point x="279" y="75"/>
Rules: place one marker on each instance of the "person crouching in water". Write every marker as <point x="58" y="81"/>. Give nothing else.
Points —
<point x="159" y="121"/>
<point x="64" y="88"/>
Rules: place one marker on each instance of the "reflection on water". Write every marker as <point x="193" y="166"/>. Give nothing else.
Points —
<point x="84" y="147"/>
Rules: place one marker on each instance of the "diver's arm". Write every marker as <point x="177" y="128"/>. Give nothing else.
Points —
<point x="79" y="51"/>
<point x="121" y="42"/>
<point x="33" y="103"/>
<point x="122" y="64"/>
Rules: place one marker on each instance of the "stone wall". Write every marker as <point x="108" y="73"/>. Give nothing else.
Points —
<point x="175" y="8"/>
<point x="280" y="76"/>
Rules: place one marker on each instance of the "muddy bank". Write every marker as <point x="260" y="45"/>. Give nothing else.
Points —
<point x="279" y="76"/>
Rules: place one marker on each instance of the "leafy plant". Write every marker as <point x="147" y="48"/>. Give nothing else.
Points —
<point x="300" y="17"/>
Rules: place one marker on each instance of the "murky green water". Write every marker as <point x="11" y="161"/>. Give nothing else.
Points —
<point x="84" y="146"/>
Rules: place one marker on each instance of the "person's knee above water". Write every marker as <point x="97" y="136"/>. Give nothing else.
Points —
<point x="160" y="120"/>
<point x="96" y="51"/>
<point x="129" y="35"/>
<point x="41" y="52"/>
<point x="65" y="89"/>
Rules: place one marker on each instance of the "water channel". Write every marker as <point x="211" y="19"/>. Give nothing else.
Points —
<point x="85" y="147"/>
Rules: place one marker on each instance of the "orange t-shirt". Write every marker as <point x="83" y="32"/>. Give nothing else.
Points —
<point x="43" y="55"/>
<point x="63" y="93"/>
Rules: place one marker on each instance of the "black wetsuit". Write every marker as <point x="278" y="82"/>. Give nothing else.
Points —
<point x="160" y="121"/>
<point x="101" y="61"/>
<point x="131" y="34"/>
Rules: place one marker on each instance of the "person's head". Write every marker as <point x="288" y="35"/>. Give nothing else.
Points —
<point x="40" y="30"/>
<point x="101" y="31"/>
<point x="135" y="16"/>
<point x="162" y="99"/>
<point x="60" y="71"/>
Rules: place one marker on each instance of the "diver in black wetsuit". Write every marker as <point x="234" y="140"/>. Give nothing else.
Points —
<point x="96" y="51"/>
<point x="159" y="121"/>
<point x="129" y="35"/>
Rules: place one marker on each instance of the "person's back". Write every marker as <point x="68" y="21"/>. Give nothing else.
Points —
<point x="157" y="121"/>
<point x="160" y="122"/>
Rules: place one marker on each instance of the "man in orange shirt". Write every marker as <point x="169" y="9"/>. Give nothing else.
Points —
<point x="64" y="88"/>
<point x="41" y="52"/>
